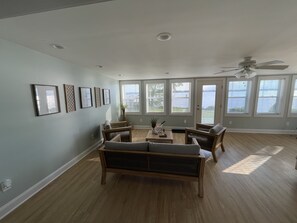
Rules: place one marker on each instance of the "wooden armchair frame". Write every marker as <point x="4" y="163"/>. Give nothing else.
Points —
<point x="117" y="127"/>
<point x="216" y="138"/>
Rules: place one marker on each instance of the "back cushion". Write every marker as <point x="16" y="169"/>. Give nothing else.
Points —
<point x="186" y="149"/>
<point x="132" y="146"/>
<point x="217" y="128"/>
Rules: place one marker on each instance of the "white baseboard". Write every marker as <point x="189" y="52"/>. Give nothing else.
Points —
<point x="264" y="131"/>
<point x="14" y="203"/>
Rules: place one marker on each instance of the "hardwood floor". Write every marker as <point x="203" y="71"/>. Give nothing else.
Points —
<point x="253" y="181"/>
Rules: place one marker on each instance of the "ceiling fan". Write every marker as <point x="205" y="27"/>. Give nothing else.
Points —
<point x="247" y="66"/>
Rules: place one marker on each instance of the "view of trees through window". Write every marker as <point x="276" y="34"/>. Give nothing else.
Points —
<point x="131" y="96"/>
<point x="155" y="93"/>
<point x="268" y="96"/>
<point x="181" y="97"/>
<point x="238" y="94"/>
<point x="208" y="104"/>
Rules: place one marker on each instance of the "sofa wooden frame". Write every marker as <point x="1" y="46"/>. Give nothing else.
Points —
<point x="199" y="178"/>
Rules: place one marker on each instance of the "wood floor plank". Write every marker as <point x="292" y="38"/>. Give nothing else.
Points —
<point x="253" y="181"/>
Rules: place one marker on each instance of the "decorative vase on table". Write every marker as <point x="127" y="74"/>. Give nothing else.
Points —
<point x="153" y="124"/>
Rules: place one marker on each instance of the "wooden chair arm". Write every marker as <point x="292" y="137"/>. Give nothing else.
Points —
<point x="203" y="126"/>
<point x="120" y="129"/>
<point x="119" y="124"/>
<point x="198" y="132"/>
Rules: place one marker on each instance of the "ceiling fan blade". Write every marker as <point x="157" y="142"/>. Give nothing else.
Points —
<point x="269" y="63"/>
<point x="224" y="71"/>
<point x="272" y="67"/>
<point x="228" y="67"/>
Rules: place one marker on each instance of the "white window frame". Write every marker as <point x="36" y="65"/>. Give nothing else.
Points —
<point x="140" y="95"/>
<point x="249" y="102"/>
<point x="281" y="96"/>
<point x="191" y="81"/>
<point x="290" y="114"/>
<point x="165" y="96"/>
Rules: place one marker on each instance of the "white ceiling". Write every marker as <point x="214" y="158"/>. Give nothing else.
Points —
<point x="120" y="35"/>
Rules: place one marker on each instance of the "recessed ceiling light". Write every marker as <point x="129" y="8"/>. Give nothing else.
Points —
<point x="164" y="36"/>
<point x="57" y="46"/>
<point x="99" y="66"/>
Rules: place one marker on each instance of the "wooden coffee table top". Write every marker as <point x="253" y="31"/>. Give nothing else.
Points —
<point x="156" y="138"/>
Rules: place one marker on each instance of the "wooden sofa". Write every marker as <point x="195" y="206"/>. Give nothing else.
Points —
<point x="180" y="162"/>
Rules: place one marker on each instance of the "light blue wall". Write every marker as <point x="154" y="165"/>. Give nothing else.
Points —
<point x="33" y="147"/>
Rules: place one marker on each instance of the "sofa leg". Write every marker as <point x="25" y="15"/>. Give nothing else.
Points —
<point x="214" y="156"/>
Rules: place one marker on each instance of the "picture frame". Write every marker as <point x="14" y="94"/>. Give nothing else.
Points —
<point x="97" y="97"/>
<point x="106" y="96"/>
<point x="86" y="100"/>
<point x="69" y="98"/>
<point x="46" y="99"/>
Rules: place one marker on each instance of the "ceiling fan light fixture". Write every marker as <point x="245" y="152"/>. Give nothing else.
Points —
<point x="238" y="75"/>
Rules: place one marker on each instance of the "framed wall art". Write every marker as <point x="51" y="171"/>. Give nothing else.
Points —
<point x="86" y="100"/>
<point x="69" y="98"/>
<point x="106" y="96"/>
<point x="45" y="99"/>
<point x="97" y="97"/>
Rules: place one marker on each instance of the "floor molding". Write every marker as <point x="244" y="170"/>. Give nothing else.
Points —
<point x="14" y="203"/>
<point x="238" y="130"/>
<point x="263" y="131"/>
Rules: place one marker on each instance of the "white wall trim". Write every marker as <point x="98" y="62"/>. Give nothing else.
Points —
<point x="14" y="203"/>
<point x="263" y="131"/>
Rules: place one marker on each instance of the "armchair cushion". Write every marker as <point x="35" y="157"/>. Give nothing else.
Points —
<point x="216" y="129"/>
<point x="106" y="125"/>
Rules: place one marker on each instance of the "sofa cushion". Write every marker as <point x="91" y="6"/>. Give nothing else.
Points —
<point x="186" y="149"/>
<point x="217" y="128"/>
<point x="132" y="146"/>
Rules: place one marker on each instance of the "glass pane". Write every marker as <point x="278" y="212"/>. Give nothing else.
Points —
<point x="208" y="104"/>
<point x="267" y="105"/>
<point x="294" y="105"/>
<point x="130" y="97"/>
<point x="155" y="97"/>
<point x="268" y="96"/>
<point x="180" y="97"/>
<point x="236" y="105"/>
<point x="294" y="99"/>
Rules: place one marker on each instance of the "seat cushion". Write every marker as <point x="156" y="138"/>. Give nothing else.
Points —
<point x="186" y="149"/>
<point x="131" y="146"/>
<point x="217" y="128"/>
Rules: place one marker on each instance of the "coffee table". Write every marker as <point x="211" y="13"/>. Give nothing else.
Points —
<point x="156" y="138"/>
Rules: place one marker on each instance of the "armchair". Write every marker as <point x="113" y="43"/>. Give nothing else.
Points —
<point x="110" y="130"/>
<point x="209" y="137"/>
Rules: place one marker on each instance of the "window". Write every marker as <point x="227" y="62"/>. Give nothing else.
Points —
<point x="238" y="97"/>
<point x="130" y="92"/>
<point x="270" y="96"/>
<point x="293" y="101"/>
<point x="181" y="97"/>
<point x="155" y="97"/>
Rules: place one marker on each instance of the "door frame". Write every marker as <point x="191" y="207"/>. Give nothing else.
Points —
<point x="223" y="86"/>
